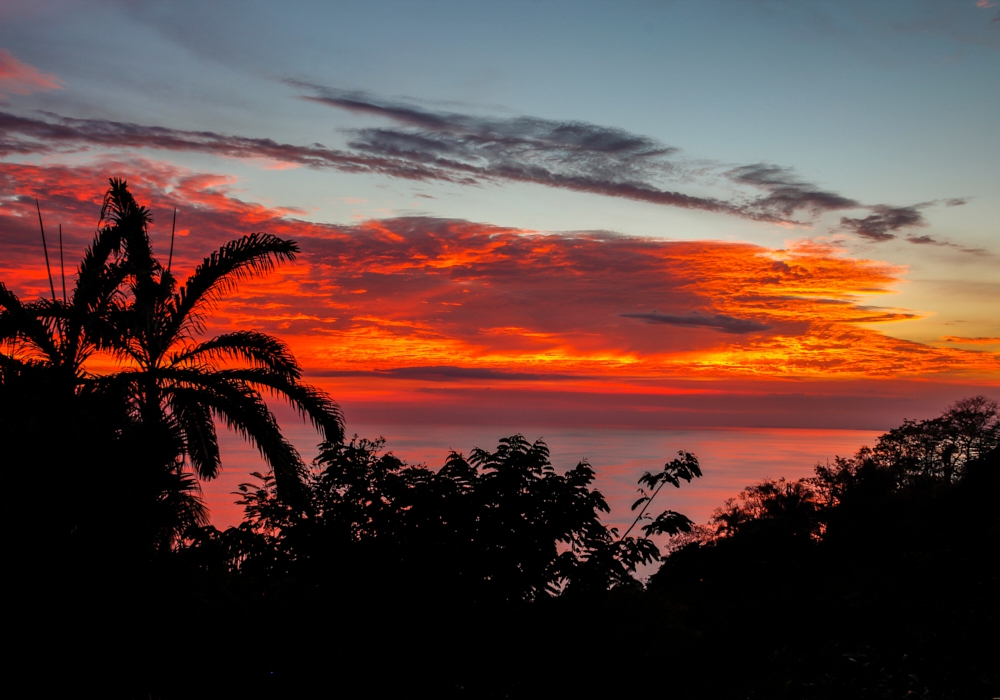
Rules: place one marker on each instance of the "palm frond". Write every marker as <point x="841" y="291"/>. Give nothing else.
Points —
<point x="259" y="349"/>
<point x="93" y="266"/>
<point x="21" y="322"/>
<point x="120" y="250"/>
<point x="178" y="507"/>
<point x="123" y="386"/>
<point x="311" y="403"/>
<point x="241" y="408"/>
<point x="201" y="442"/>
<point x="130" y="223"/>
<point x="254" y="254"/>
<point x="121" y="211"/>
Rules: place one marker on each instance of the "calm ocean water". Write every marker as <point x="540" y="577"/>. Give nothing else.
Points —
<point x="731" y="458"/>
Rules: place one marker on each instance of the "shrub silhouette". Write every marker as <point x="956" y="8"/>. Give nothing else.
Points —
<point x="874" y="578"/>
<point x="493" y="527"/>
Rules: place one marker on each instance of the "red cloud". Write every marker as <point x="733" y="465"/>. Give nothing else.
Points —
<point x="465" y="302"/>
<point x="432" y="321"/>
<point x="21" y="79"/>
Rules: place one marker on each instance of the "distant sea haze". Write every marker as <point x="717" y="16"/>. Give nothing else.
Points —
<point x="731" y="458"/>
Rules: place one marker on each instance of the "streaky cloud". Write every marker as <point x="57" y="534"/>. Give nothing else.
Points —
<point x="885" y="222"/>
<point x="719" y="322"/>
<point x="444" y="373"/>
<point x="21" y="79"/>
<point x="570" y="155"/>
<point x="524" y="132"/>
<point x="471" y="150"/>
<point x="979" y="340"/>
<point x="24" y="135"/>
<point x="586" y="157"/>
<point x="788" y="194"/>
<point x="930" y="240"/>
<point x="454" y="372"/>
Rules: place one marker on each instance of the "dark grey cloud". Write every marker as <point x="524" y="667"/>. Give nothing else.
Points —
<point x="811" y="300"/>
<point x="499" y="139"/>
<point x="696" y="319"/>
<point x="54" y="133"/>
<point x="565" y="154"/>
<point x="403" y="155"/>
<point x="885" y="222"/>
<point x="448" y="372"/>
<point x="443" y="373"/>
<point x="587" y="158"/>
<point x="787" y="193"/>
<point x="569" y="155"/>
<point x="436" y="145"/>
<point x="930" y="240"/>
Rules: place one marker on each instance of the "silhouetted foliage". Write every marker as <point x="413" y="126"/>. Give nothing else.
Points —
<point x="179" y="386"/>
<point x="877" y="575"/>
<point x="491" y="576"/>
<point x="785" y="509"/>
<point x="69" y="445"/>
<point x="498" y="526"/>
<point x="134" y="442"/>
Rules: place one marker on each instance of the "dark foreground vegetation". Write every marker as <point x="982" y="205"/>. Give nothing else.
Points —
<point x="492" y="576"/>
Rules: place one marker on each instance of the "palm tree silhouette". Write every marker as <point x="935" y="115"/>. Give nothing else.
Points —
<point x="179" y="385"/>
<point x="160" y="407"/>
<point x="60" y="334"/>
<point x="49" y="393"/>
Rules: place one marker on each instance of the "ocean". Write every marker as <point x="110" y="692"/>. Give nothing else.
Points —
<point x="731" y="458"/>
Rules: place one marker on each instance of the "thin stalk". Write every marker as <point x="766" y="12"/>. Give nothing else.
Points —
<point x="173" y="227"/>
<point x="45" y="248"/>
<point x="62" y="265"/>
<point x="643" y="511"/>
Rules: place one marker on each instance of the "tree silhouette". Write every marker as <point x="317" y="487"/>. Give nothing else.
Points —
<point x="58" y="428"/>
<point x="158" y="411"/>
<point x="496" y="526"/>
<point x="176" y="385"/>
<point x="788" y="507"/>
<point x="874" y="578"/>
<point x="62" y="333"/>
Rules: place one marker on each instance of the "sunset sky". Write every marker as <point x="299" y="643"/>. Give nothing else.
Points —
<point x="647" y="215"/>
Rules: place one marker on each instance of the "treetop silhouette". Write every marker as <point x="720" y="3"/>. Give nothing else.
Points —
<point x="495" y="526"/>
<point x="171" y="385"/>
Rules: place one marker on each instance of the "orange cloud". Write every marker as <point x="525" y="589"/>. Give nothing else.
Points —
<point x="398" y="295"/>
<point x="21" y="79"/>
